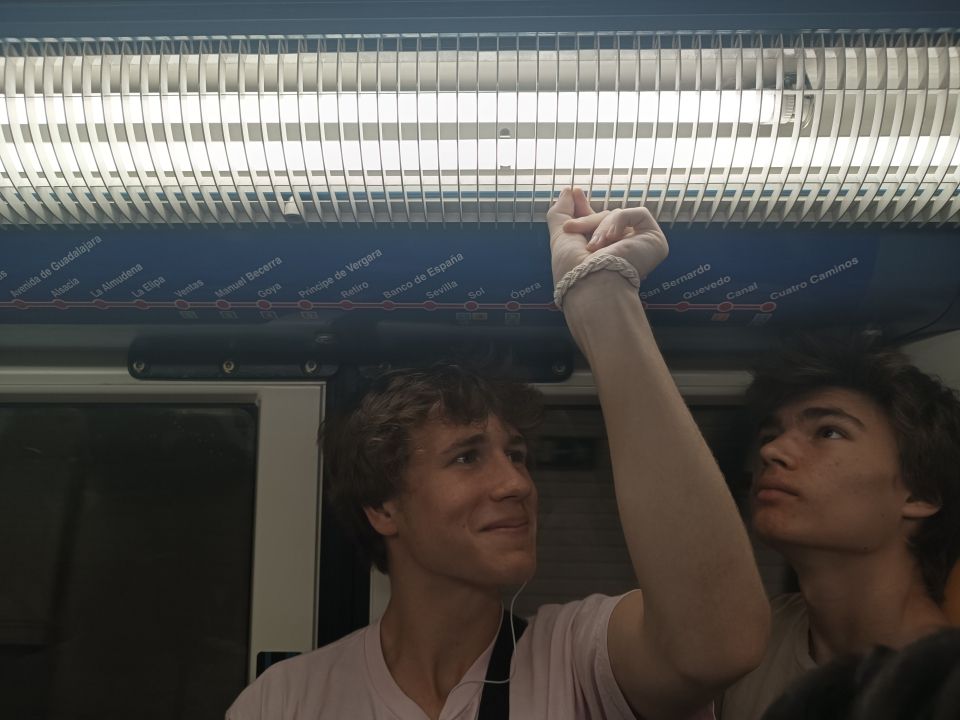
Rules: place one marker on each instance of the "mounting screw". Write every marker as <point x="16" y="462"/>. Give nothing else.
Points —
<point x="138" y="366"/>
<point x="325" y="339"/>
<point x="229" y="367"/>
<point x="559" y="368"/>
<point x="310" y="367"/>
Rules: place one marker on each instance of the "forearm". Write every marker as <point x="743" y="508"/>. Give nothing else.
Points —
<point x="690" y="552"/>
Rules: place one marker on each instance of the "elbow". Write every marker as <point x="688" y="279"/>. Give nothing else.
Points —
<point x="730" y="652"/>
<point x="747" y="647"/>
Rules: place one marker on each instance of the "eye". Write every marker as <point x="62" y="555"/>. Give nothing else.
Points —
<point x="764" y="438"/>
<point x="518" y="457"/>
<point x="467" y="458"/>
<point x="828" y="432"/>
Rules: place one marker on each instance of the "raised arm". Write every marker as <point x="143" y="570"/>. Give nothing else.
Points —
<point x="702" y="619"/>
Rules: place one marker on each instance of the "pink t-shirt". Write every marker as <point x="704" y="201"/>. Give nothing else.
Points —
<point x="560" y="671"/>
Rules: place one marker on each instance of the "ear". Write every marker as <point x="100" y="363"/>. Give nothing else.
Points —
<point x="915" y="509"/>
<point x="382" y="518"/>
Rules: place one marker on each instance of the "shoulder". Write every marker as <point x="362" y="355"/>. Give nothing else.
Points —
<point x="302" y="679"/>
<point x="563" y="665"/>
<point x="590" y="604"/>
<point x="320" y="662"/>
<point x="581" y="619"/>
<point x="563" y="661"/>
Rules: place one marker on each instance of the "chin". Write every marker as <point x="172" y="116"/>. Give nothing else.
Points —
<point x="768" y="528"/>
<point x="768" y="522"/>
<point x="514" y="570"/>
<point x="779" y="536"/>
<point x="768" y="531"/>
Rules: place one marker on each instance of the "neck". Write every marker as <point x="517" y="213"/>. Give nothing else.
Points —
<point x="857" y="601"/>
<point x="432" y="631"/>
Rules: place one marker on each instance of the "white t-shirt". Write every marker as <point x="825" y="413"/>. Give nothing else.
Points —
<point x="560" y="670"/>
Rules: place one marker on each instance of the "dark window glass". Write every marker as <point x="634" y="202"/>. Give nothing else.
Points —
<point x="125" y="560"/>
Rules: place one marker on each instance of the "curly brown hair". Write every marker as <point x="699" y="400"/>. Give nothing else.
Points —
<point x="366" y="451"/>
<point x="923" y="412"/>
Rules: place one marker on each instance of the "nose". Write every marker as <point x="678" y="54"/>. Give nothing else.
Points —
<point x="512" y="480"/>
<point x="780" y="450"/>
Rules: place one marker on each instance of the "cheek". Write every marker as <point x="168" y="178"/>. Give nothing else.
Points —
<point x="871" y="481"/>
<point x="454" y="507"/>
<point x="861" y="501"/>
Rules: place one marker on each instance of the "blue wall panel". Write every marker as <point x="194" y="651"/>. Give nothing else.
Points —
<point x="486" y="275"/>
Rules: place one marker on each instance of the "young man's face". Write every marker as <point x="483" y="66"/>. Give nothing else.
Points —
<point x="468" y="510"/>
<point x="828" y="476"/>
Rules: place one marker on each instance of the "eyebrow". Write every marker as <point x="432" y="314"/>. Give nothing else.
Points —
<point x="815" y="413"/>
<point x="818" y="413"/>
<point x="480" y="439"/>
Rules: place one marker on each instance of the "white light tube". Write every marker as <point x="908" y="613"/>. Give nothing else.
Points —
<point x="354" y="135"/>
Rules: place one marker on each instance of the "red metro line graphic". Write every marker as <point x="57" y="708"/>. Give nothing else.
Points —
<point x="739" y="278"/>
<point x="308" y="305"/>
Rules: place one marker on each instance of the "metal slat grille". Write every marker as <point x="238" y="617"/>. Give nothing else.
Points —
<point x="747" y="128"/>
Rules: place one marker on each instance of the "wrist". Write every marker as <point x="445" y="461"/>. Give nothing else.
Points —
<point x="599" y="294"/>
<point x="599" y="263"/>
<point x="603" y="314"/>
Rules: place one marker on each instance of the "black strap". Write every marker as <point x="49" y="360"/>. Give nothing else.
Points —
<point x="495" y="699"/>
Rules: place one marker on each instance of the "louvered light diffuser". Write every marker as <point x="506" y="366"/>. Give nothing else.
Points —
<point x="703" y="128"/>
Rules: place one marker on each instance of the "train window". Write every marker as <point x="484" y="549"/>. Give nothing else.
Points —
<point x="126" y="533"/>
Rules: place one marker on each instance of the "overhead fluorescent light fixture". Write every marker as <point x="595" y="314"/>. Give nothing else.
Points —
<point x="701" y="128"/>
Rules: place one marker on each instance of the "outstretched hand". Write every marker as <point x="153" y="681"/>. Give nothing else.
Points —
<point x="576" y="231"/>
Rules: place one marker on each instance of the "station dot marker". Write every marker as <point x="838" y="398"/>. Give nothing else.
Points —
<point x="683" y="306"/>
<point x="59" y="304"/>
<point x="725" y="307"/>
<point x="513" y="306"/>
<point x="470" y="306"/>
<point x="141" y="304"/>
<point x="100" y="304"/>
<point x="768" y="307"/>
<point x="388" y="305"/>
<point x="430" y="305"/>
<point x="264" y="304"/>
<point x="223" y="305"/>
<point x="20" y="304"/>
<point x="182" y="304"/>
<point x="305" y="305"/>
<point x="346" y="305"/>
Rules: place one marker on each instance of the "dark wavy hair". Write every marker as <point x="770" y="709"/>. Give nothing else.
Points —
<point x="831" y="691"/>
<point x="924" y="414"/>
<point x="367" y="451"/>
<point x="919" y="682"/>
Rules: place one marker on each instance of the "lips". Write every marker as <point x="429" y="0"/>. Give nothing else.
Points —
<point x="773" y="487"/>
<point x="519" y="523"/>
